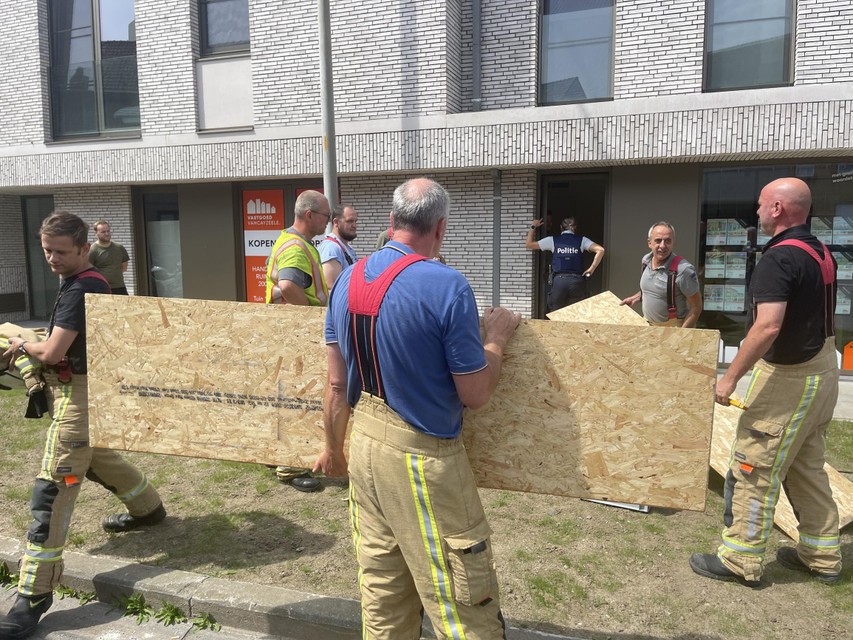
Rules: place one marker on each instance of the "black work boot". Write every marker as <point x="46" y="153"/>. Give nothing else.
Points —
<point x="121" y="522"/>
<point x="790" y="559"/>
<point x="24" y="616"/>
<point x="709" y="565"/>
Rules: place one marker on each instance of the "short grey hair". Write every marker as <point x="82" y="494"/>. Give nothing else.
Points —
<point x="419" y="205"/>
<point x="308" y="201"/>
<point x="662" y="223"/>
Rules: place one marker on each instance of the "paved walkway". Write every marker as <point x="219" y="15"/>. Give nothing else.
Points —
<point x="244" y="609"/>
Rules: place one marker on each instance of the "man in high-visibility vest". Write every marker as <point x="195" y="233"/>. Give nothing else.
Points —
<point x="294" y="272"/>
<point x="295" y="276"/>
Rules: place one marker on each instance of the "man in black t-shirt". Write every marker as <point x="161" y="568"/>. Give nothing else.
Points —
<point x="68" y="458"/>
<point x="780" y="438"/>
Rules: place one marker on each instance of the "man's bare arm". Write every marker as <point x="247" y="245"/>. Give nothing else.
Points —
<point x="475" y="389"/>
<point x="336" y="414"/>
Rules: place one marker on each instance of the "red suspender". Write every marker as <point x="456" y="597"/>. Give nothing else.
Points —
<point x="827" y="271"/>
<point x="346" y="255"/>
<point x="91" y="273"/>
<point x="364" y="301"/>
<point x="670" y="285"/>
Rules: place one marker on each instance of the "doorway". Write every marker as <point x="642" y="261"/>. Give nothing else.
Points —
<point x="582" y="196"/>
<point x="44" y="284"/>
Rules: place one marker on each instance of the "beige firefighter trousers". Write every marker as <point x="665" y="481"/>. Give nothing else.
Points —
<point x="67" y="459"/>
<point x="781" y="442"/>
<point x="420" y="533"/>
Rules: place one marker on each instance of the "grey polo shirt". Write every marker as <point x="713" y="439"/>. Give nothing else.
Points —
<point x="653" y="285"/>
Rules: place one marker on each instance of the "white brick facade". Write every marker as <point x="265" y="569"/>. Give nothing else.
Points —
<point x="659" y="46"/>
<point x="824" y="42"/>
<point x="112" y="204"/>
<point x="403" y="88"/>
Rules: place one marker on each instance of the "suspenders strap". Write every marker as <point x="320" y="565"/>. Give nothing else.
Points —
<point x="827" y="271"/>
<point x="364" y="300"/>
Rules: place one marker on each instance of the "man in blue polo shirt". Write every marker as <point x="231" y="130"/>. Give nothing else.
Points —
<point x="404" y="349"/>
<point x="336" y="252"/>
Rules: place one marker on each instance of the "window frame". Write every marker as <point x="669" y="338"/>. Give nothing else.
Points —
<point x="789" y="59"/>
<point x="97" y="81"/>
<point x="540" y="101"/>
<point x="206" y="50"/>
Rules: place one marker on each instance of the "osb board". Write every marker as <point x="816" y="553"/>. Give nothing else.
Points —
<point x="600" y="411"/>
<point x="603" y="308"/>
<point x="208" y="379"/>
<point x="725" y="427"/>
<point x="573" y="414"/>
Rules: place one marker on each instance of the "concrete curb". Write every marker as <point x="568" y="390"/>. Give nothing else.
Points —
<point x="262" y="609"/>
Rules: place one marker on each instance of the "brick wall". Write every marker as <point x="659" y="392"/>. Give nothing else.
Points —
<point x="468" y="242"/>
<point x="659" y="48"/>
<point x="21" y="103"/>
<point x="509" y="53"/>
<point x="113" y="204"/>
<point x="165" y="42"/>
<point x="824" y="41"/>
<point x="13" y="260"/>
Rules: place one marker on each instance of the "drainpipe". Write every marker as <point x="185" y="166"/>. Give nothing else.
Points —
<point x="476" y="55"/>
<point x="496" y="237"/>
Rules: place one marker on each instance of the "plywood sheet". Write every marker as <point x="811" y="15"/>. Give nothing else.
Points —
<point x="602" y="308"/>
<point x="573" y="415"/>
<point x="725" y="427"/>
<point x="605" y="308"/>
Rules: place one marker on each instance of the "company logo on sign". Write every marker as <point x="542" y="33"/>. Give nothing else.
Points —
<point x="263" y="221"/>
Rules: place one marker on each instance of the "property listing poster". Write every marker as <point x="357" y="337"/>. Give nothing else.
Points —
<point x="714" y="297"/>
<point x="842" y="301"/>
<point x="736" y="264"/>
<point x="715" y="264"/>
<point x="715" y="231"/>
<point x="736" y="233"/>
<point x="845" y="265"/>
<point x="263" y="221"/>
<point x="822" y="229"/>
<point x="842" y="228"/>
<point x="733" y="298"/>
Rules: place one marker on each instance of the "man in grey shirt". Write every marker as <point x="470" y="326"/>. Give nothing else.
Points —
<point x="669" y="287"/>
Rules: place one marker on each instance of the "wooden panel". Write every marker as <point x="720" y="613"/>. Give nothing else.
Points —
<point x="602" y="308"/>
<point x="605" y="308"/>
<point x="573" y="414"/>
<point x="725" y="427"/>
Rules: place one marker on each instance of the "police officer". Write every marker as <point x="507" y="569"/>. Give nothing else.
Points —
<point x="568" y="277"/>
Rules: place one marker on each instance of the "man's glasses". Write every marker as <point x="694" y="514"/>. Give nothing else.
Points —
<point x="325" y="215"/>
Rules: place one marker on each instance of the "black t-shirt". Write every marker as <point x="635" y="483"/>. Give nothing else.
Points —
<point x="69" y="312"/>
<point x="789" y="274"/>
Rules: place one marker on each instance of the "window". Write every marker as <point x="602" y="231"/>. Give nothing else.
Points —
<point x="93" y="82"/>
<point x="224" y="25"/>
<point x="748" y="44"/>
<point x="576" y="51"/>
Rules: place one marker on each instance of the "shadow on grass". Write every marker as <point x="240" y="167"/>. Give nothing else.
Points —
<point x="221" y="541"/>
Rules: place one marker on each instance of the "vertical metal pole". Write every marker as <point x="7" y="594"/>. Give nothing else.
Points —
<point x="496" y="237"/>
<point x="327" y="107"/>
<point x="476" y="55"/>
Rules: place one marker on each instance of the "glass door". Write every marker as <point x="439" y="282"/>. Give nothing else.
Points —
<point x="44" y="284"/>
<point x="580" y="196"/>
<point x="163" y="245"/>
